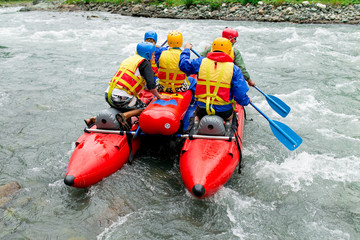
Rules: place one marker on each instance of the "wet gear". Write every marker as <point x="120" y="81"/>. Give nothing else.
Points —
<point x="152" y="35"/>
<point x="214" y="83"/>
<point x="212" y="125"/>
<point x="122" y="122"/>
<point x="125" y="78"/>
<point x="169" y="74"/>
<point x="106" y="119"/>
<point x="125" y="103"/>
<point x="175" y="39"/>
<point x="230" y="33"/>
<point x="201" y="112"/>
<point x="222" y="45"/>
<point x="145" y="50"/>
<point x="90" y="122"/>
<point x="238" y="88"/>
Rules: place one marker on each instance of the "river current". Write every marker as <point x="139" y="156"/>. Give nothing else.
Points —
<point x="54" y="68"/>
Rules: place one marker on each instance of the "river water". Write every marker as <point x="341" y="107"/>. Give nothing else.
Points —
<point x="54" y="68"/>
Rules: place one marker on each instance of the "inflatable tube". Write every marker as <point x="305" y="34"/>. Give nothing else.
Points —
<point x="164" y="116"/>
<point x="98" y="155"/>
<point x="206" y="165"/>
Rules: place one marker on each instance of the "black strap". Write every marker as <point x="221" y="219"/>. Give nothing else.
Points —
<point x="129" y="141"/>
<point x="234" y="126"/>
<point x="245" y="116"/>
<point x="191" y="135"/>
<point x="238" y="140"/>
<point x="191" y="128"/>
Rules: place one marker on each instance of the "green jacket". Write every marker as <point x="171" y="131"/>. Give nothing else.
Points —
<point x="238" y="61"/>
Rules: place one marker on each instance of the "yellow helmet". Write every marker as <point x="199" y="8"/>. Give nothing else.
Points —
<point x="175" y="39"/>
<point x="222" y="44"/>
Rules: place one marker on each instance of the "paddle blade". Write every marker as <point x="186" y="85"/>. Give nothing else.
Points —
<point x="279" y="106"/>
<point x="285" y="135"/>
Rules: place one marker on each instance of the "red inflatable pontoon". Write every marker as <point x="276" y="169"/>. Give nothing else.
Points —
<point x="206" y="165"/>
<point x="164" y="117"/>
<point x="98" y="155"/>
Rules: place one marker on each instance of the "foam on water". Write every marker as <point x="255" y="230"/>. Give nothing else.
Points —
<point x="298" y="172"/>
<point x="329" y="133"/>
<point x="8" y="10"/>
<point x="10" y="32"/>
<point x="323" y="232"/>
<point x="307" y="102"/>
<point x="107" y="233"/>
<point x="59" y="36"/>
<point x="355" y="85"/>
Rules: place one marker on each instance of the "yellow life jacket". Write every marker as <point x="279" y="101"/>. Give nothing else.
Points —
<point x="169" y="73"/>
<point x="232" y="54"/>
<point x="214" y="84"/>
<point x="125" y="78"/>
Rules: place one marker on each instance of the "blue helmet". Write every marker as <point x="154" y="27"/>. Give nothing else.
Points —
<point x="152" y="35"/>
<point x="145" y="50"/>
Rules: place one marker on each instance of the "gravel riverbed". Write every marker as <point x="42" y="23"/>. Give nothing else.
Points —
<point x="297" y="13"/>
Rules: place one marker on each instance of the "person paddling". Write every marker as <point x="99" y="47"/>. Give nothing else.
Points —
<point x="235" y="54"/>
<point x="219" y="83"/>
<point x="132" y="76"/>
<point x="171" y="78"/>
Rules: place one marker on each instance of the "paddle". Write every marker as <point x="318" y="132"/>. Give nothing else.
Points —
<point x="190" y="49"/>
<point x="195" y="52"/>
<point x="275" y="103"/>
<point x="282" y="132"/>
<point x="164" y="43"/>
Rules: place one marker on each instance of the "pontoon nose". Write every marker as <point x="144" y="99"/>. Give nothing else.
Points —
<point x="198" y="190"/>
<point x="69" y="180"/>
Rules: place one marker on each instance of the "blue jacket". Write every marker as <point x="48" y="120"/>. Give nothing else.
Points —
<point x="158" y="52"/>
<point x="238" y="88"/>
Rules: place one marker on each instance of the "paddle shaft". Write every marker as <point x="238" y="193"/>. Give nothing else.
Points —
<point x="195" y="53"/>
<point x="164" y="43"/>
<point x="190" y="49"/>
<point x="259" y="90"/>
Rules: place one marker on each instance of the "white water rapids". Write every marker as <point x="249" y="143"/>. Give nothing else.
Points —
<point x="54" y="68"/>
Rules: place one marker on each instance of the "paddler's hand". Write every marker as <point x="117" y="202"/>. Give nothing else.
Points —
<point x="164" y="97"/>
<point x="188" y="45"/>
<point x="250" y="82"/>
<point x="156" y="94"/>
